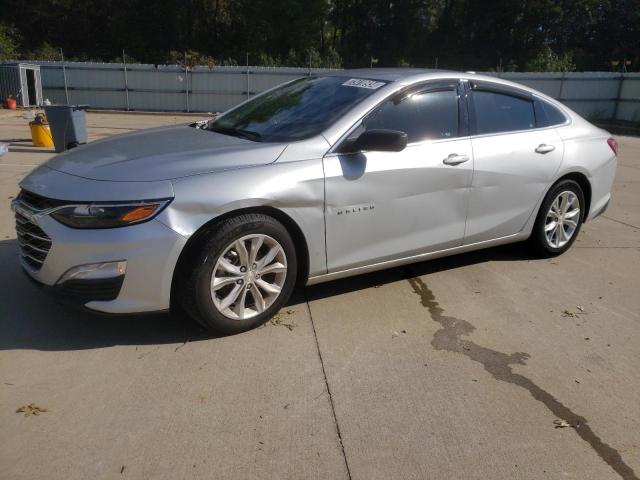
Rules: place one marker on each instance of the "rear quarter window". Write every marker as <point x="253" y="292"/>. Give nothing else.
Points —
<point x="548" y="115"/>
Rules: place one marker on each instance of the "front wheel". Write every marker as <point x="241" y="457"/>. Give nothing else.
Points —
<point x="559" y="220"/>
<point x="243" y="274"/>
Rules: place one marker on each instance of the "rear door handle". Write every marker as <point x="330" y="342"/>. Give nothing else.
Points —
<point x="455" y="159"/>
<point x="542" y="148"/>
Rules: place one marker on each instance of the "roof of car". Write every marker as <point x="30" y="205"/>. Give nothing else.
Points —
<point x="411" y="75"/>
<point x="385" y="74"/>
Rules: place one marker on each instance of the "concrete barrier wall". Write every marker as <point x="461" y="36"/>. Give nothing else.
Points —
<point x="594" y="95"/>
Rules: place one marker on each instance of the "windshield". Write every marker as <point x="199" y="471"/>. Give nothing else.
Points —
<point x="297" y="110"/>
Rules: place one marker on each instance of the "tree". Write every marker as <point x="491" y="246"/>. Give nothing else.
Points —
<point x="9" y="42"/>
<point x="46" y="51"/>
<point x="548" y="61"/>
<point x="455" y="34"/>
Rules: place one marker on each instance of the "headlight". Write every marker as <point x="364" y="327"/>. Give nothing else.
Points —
<point x="112" y="215"/>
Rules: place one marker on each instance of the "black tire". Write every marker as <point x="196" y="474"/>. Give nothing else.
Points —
<point x="194" y="290"/>
<point x="538" y="239"/>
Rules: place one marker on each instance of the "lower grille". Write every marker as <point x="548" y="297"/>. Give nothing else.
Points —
<point x="34" y="243"/>
<point x="92" y="290"/>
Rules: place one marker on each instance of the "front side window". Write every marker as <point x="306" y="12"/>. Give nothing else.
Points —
<point x="496" y="112"/>
<point x="430" y="115"/>
<point x="297" y="110"/>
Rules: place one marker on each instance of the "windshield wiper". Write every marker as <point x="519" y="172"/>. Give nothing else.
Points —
<point x="238" y="132"/>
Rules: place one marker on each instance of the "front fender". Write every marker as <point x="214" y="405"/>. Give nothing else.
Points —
<point x="295" y="188"/>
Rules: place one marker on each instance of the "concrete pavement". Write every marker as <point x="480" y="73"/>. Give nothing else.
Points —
<point x="454" y="368"/>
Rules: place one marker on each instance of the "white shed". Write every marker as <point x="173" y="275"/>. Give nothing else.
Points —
<point x="21" y="81"/>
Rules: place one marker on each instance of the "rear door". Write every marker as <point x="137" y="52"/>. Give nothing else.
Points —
<point x="383" y="206"/>
<point x="514" y="160"/>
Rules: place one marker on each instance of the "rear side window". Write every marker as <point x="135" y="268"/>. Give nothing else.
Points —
<point x="547" y="114"/>
<point x="428" y="115"/>
<point x="496" y="112"/>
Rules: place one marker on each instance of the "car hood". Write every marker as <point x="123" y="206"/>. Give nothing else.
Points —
<point x="162" y="154"/>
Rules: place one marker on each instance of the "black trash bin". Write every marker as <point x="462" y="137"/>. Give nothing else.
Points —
<point x="68" y="125"/>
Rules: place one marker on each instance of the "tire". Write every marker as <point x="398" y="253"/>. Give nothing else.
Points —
<point x="550" y="243"/>
<point x="220" y="263"/>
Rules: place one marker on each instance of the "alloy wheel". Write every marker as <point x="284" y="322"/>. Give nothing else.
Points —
<point x="248" y="277"/>
<point x="562" y="219"/>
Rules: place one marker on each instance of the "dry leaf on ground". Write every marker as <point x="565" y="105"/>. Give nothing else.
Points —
<point x="561" y="423"/>
<point x="31" y="409"/>
<point x="280" y="319"/>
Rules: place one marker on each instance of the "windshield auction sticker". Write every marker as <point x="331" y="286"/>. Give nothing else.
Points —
<point x="362" y="83"/>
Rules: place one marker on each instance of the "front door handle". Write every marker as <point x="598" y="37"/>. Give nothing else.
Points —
<point x="455" y="159"/>
<point x="542" y="148"/>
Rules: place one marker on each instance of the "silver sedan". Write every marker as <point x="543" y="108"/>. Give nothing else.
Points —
<point x="321" y="178"/>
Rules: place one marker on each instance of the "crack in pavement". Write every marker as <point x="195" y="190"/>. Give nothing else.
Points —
<point x="331" y="403"/>
<point x="620" y="222"/>
<point x="499" y="364"/>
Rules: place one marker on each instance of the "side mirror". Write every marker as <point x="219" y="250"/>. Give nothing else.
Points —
<point x="378" y="140"/>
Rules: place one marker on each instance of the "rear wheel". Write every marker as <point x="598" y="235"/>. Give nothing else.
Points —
<point x="244" y="273"/>
<point x="559" y="219"/>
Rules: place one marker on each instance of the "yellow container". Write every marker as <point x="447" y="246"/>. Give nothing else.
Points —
<point x="41" y="134"/>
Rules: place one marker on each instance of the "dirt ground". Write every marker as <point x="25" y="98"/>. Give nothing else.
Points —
<point x="492" y="364"/>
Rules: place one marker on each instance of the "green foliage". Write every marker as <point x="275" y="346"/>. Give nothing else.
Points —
<point x="265" y="60"/>
<point x="332" y="59"/>
<point x="227" y="62"/>
<point x="190" y="58"/>
<point x="46" y="51"/>
<point x="9" y="42"/>
<point x="548" y="61"/>
<point x="309" y="58"/>
<point x="501" y="35"/>
<point x="291" y="60"/>
<point x="127" y="58"/>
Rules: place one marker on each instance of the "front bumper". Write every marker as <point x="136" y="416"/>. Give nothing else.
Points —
<point x="79" y="294"/>
<point x="150" y="249"/>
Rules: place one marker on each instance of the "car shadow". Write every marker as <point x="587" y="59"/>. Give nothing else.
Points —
<point x="511" y="252"/>
<point x="32" y="319"/>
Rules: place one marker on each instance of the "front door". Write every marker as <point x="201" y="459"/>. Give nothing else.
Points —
<point x="383" y="206"/>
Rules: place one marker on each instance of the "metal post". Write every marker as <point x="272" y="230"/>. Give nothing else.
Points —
<point x="618" y="95"/>
<point x="64" y="75"/>
<point x="561" y="87"/>
<point x="248" y="95"/>
<point x="186" y="79"/>
<point x="126" y="83"/>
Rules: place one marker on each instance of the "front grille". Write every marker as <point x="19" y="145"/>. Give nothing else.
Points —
<point x="38" y="203"/>
<point x="34" y="242"/>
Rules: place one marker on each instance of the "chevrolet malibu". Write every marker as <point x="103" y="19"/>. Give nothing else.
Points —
<point x="320" y="178"/>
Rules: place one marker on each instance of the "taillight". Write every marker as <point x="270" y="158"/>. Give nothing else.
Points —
<point x="613" y="144"/>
